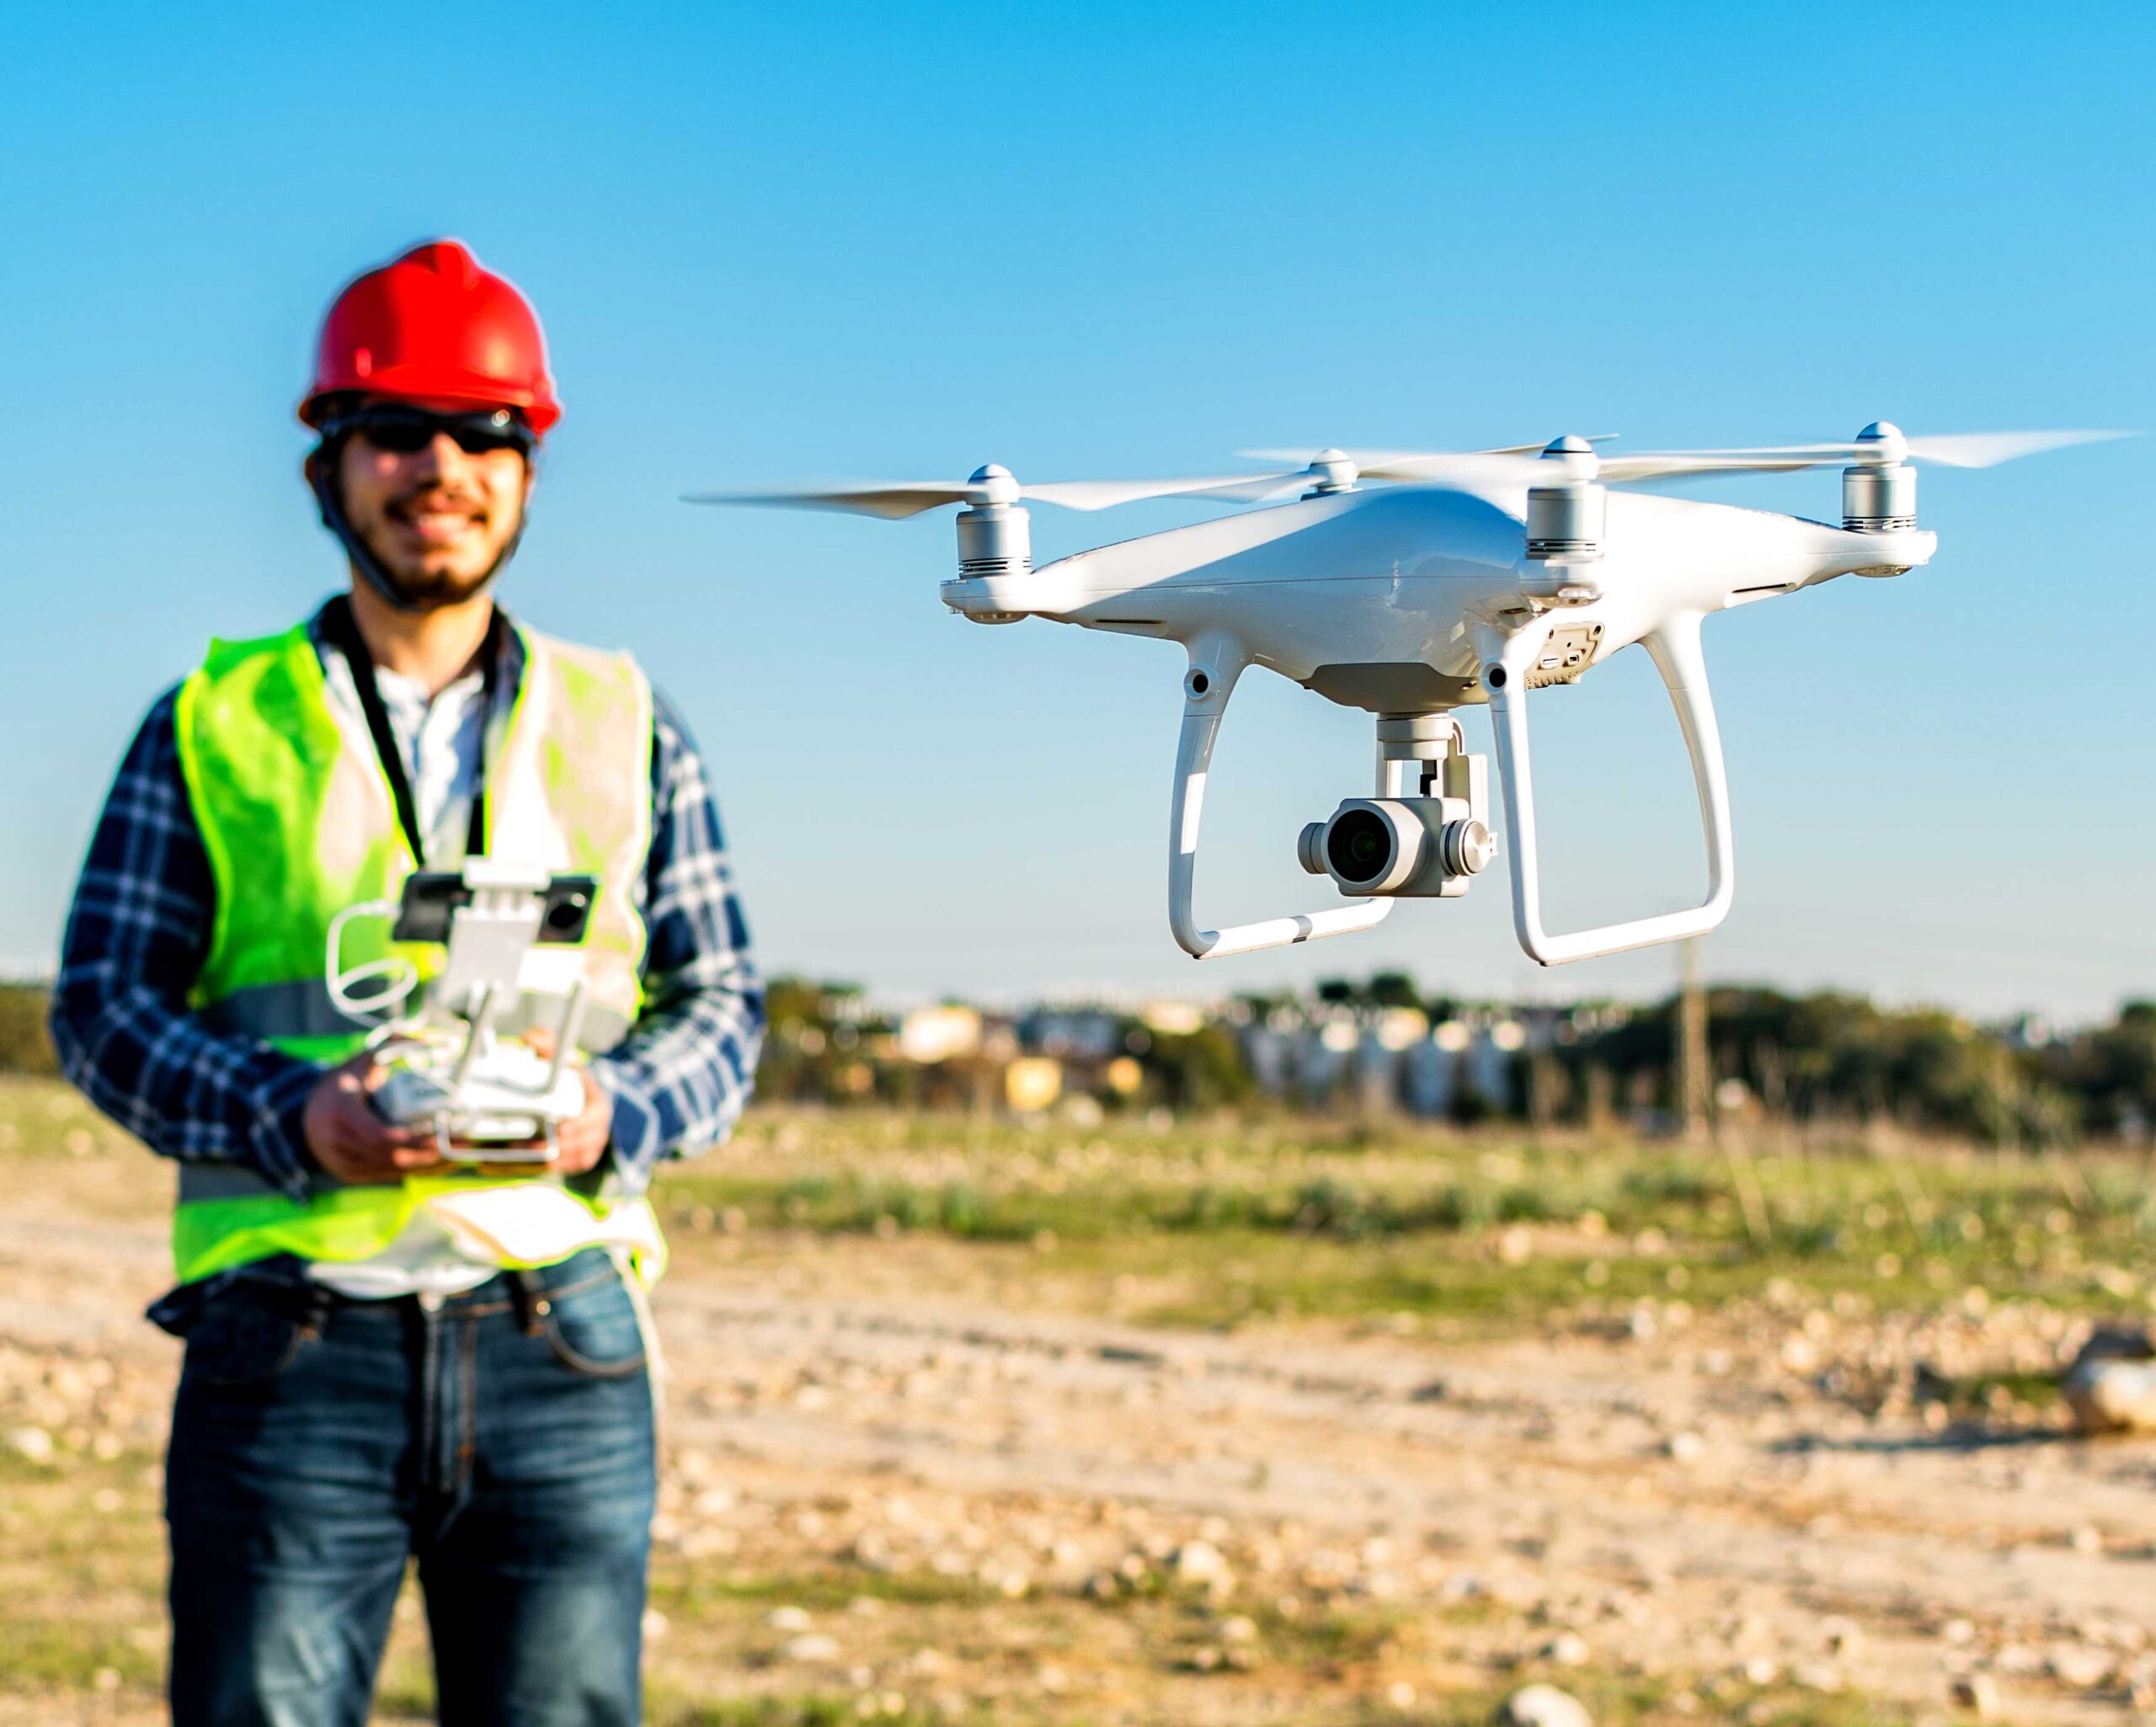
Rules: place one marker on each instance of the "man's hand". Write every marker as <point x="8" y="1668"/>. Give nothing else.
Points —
<point x="354" y="1144"/>
<point x="582" y="1139"/>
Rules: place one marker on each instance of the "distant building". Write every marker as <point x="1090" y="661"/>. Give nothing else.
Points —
<point x="936" y="1034"/>
<point x="1089" y="1034"/>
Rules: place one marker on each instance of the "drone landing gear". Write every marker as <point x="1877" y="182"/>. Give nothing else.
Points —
<point x="1215" y="664"/>
<point x="1508" y="662"/>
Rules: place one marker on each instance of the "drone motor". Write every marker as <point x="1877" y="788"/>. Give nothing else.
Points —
<point x="1565" y="516"/>
<point x="1879" y="494"/>
<point x="995" y="536"/>
<point x="1330" y="473"/>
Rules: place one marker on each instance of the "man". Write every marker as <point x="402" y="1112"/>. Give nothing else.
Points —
<point x="371" y="1376"/>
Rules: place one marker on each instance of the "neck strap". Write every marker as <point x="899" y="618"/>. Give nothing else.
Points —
<point x="342" y="631"/>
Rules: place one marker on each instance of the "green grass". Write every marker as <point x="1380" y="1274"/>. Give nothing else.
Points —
<point x="42" y="1119"/>
<point x="680" y="1587"/>
<point x="1216" y="1223"/>
<point x="1227" y="1222"/>
<point x="805" y="1709"/>
<point x="81" y="1569"/>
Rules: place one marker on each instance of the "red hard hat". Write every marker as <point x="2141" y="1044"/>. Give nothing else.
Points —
<point x="435" y="327"/>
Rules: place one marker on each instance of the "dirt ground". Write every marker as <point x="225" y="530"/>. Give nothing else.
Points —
<point x="905" y="1479"/>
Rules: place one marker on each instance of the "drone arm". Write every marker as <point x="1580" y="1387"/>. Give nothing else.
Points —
<point x="1675" y="649"/>
<point x="1214" y="666"/>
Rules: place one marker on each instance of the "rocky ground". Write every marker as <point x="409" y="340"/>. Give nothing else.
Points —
<point x="905" y="1481"/>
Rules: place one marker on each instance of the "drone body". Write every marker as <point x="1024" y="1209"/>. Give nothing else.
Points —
<point x="1484" y="576"/>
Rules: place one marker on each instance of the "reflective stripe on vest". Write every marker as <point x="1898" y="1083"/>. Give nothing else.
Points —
<point x="298" y="822"/>
<point x="303" y="1009"/>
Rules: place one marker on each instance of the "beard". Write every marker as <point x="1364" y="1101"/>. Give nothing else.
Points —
<point x="429" y="580"/>
<point x="430" y="589"/>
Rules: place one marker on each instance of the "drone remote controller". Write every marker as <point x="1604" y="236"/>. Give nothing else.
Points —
<point x="489" y="1098"/>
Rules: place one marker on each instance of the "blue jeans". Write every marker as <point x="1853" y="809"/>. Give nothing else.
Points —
<point x="504" y="1438"/>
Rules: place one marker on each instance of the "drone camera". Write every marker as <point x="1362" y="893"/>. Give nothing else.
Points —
<point x="1410" y="847"/>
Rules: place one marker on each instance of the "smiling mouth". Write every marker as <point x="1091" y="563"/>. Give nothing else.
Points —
<point x="434" y="521"/>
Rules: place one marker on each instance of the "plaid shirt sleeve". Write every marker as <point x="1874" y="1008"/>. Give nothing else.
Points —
<point x="681" y="1078"/>
<point x="139" y="929"/>
<point x="136" y="937"/>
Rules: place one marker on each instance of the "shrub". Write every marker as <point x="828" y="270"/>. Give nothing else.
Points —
<point x="25" y="1045"/>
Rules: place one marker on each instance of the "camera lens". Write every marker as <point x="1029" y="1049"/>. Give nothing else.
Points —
<point x="565" y="913"/>
<point x="1359" y="848"/>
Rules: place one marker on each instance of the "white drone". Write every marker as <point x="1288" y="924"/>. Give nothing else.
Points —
<point x="1476" y="577"/>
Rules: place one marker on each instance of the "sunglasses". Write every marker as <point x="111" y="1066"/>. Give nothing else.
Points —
<point x="406" y="431"/>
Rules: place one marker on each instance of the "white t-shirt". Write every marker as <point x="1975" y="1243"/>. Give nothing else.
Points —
<point x="442" y="742"/>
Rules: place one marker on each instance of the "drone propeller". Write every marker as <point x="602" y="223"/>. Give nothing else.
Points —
<point x="894" y="499"/>
<point x="1501" y="465"/>
<point x="1880" y="444"/>
<point x="1322" y="471"/>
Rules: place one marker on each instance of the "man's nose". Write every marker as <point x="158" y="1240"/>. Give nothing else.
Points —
<point x="441" y="457"/>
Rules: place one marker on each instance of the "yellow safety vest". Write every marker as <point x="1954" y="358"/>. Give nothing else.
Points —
<point x="299" y="822"/>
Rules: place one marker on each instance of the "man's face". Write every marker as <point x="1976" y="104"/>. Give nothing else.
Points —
<point x="438" y="518"/>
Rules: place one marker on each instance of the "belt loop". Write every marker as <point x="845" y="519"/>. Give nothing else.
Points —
<point x="315" y="1302"/>
<point x="529" y="1295"/>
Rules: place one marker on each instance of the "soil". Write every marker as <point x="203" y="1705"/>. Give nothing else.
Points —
<point x="1690" y="1495"/>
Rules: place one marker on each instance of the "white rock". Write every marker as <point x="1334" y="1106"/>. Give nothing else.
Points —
<point x="789" y="1619"/>
<point x="816" y="1646"/>
<point x="2111" y="1395"/>
<point x="34" y="1443"/>
<point x="1978" y="1693"/>
<point x="1568" y="1649"/>
<point x="655" y="1624"/>
<point x="1198" y="1562"/>
<point x="2084" y="1669"/>
<point x="1686" y="1447"/>
<point x="1545" y="1706"/>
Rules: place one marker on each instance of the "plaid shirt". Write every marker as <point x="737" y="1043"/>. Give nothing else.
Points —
<point x="139" y="929"/>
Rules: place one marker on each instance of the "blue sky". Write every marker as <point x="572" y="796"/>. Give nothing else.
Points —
<point x="1130" y="240"/>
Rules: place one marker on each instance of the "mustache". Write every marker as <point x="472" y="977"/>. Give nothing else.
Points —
<point x="437" y="497"/>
